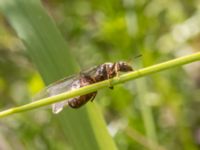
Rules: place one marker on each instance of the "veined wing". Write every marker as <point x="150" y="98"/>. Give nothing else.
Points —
<point x="56" y="88"/>
<point x="63" y="85"/>
<point x="90" y="72"/>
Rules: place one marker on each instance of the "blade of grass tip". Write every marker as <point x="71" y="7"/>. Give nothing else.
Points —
<point x="49" y="52"/>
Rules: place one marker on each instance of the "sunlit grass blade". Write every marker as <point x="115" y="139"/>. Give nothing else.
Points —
<point x="48" y="50"/>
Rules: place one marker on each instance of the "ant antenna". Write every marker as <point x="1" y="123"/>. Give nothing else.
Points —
<point x="138" y="56"/>
<point x="135" y="57"/>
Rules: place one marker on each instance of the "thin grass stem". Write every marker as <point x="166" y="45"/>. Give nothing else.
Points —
<point x="107" y="83"/>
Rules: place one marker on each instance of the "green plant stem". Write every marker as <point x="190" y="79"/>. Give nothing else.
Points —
<point x="94" y="87"/>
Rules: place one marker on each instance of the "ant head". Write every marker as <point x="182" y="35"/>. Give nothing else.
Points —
<point x="124" y="66"/>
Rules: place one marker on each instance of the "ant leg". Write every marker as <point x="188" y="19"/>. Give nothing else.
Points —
<point x="93" y="96"/>
<point x="107" y="72"/>
<point x="116" y="71"/>
<point x="108" y="77"/>
<point x="111" y="87"/>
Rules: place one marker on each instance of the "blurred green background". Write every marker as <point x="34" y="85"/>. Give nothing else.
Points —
<point x="161" y="110"/>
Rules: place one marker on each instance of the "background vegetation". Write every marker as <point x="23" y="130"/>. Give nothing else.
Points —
<point x="156" y="112"/>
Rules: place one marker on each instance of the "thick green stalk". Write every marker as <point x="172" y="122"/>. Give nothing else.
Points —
<point x="111" y="82"/>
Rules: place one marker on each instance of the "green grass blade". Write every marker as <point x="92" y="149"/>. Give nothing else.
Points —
<point x="83" y="128"/>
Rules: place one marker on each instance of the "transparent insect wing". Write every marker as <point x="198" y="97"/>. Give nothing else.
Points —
<point x="56" y="88"/>
<point x="40" y="95"/>
<point x="58" y="107"/>
<point x="90" y="72"/>
<point x="60" y="86"/>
